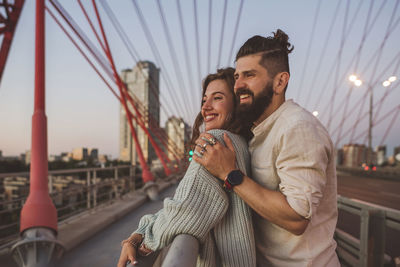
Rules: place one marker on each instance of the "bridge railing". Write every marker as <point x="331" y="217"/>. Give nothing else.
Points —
<point x="369" y="248"/>
<point x="72" y="191"/>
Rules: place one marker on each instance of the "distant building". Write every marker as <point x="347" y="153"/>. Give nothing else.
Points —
<point x="1" y="154"/>
<point x="354" y="155"/>
<point x="80" y="153"/>
<point x="93" y="153"/>
<point x="178" y="133"/>
<point x="380" y="155"/>
<point x="143" y="84"/>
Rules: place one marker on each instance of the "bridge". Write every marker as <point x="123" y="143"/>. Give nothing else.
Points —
<point x="350" y="57"/>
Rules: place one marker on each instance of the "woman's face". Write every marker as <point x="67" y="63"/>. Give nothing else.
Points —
<point x="217" y="105"/>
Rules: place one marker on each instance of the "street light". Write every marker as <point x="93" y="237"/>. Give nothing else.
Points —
<point x="358" y="82"/>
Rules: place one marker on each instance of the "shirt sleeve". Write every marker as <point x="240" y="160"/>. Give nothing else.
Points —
<point x="197" y="206"/>
<point x="303" y="157"/>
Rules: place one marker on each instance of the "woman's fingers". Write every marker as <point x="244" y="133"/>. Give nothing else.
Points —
<point x="128" y="253"/>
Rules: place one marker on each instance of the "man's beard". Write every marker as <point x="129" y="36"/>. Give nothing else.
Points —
<point x="251" y="112"/>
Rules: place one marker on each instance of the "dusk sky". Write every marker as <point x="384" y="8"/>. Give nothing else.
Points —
<point x="332" y="40"/>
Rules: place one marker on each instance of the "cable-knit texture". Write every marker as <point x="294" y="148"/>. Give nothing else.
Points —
<point x="221" y="222"/>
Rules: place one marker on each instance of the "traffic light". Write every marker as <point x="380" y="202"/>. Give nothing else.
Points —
<point x="190" y="155"/>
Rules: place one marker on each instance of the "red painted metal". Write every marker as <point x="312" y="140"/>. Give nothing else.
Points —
<point x="147" y="176"/>
<point x="39" y="210"/>
<point x="105" y="81"/>
<point x="8" y="24"/>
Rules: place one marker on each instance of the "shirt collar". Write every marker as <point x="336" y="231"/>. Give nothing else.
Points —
<point x="265" y="126"/>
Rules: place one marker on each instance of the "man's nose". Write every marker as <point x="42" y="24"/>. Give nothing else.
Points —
<point x="238" y="84"/>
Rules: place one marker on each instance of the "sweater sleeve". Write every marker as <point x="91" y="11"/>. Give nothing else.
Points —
<point x="198" y="205"/>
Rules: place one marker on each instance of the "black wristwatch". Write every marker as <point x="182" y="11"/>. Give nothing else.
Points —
<point x="233" y="178"/>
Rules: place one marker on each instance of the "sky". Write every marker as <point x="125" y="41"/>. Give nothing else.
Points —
<point x="332" y="40"/>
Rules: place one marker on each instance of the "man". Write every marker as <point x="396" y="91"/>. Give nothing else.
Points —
<point x="293" y="184"/>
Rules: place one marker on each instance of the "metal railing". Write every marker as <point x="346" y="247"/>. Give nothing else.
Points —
<point x="369" y="249"/>
<point x="72" y="191"/>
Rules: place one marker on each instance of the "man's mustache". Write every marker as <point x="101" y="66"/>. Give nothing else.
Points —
<point x="244" y="91"/>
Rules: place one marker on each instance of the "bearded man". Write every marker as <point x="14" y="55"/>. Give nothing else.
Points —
<point x="293" y="186"/>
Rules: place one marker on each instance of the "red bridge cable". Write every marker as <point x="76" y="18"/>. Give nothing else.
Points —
<point x="13" y="12"/>
<point x="91" y="25"/>
<point x="136" y="58"/>
<point x="133" y="53"/>
<point x="84" y="55"/>
<point x="146" y="175"/>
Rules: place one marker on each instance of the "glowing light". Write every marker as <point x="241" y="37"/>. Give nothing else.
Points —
<point x="386" y="83"/>
<point x="352" y="78"/>
<point x="357" y="83"/>
<point x="315" y="113"/>
<point x="392" y="79"/>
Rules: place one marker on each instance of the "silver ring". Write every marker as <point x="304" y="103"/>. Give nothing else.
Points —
<point x="212" y="141"/>
<point x="199" y="145"/>
<point x="204" y="145"/>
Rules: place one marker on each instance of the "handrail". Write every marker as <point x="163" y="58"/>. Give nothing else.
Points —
<point x="183" y="252"/>
<point x="369" y="250"/>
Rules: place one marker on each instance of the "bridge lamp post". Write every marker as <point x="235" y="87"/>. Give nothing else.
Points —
<point x="358" y="82"/>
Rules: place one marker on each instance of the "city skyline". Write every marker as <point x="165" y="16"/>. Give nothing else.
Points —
<point x="81" y="112"/>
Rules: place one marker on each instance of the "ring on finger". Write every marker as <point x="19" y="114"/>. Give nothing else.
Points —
<point x="212" y="141"/>
<point x="202" y="151"/>
<point x="204" y="145"/>
<point x="208" y="141"/>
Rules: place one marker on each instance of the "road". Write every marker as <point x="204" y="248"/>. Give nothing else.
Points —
<point x="382" y="192"/>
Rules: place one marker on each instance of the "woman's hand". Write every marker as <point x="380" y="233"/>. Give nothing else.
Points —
<point x="129" y="250"/>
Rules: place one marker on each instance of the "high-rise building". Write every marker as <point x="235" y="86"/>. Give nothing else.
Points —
<point x="142" y="83"/>
<point x="178" y="133"/>
<point x="396" y="153"/>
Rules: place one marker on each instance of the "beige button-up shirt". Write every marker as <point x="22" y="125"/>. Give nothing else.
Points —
<point x="293" y="153"/>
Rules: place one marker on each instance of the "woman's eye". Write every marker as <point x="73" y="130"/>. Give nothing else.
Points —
<point x="217" y="97"/>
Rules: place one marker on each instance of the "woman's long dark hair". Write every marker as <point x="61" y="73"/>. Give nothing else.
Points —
<point x="232" y="125"/>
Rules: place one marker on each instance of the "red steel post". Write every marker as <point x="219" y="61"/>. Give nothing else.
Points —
<point x="39" y="210"/>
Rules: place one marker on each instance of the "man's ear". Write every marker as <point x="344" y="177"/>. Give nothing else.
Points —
<point x="280" y="82"/>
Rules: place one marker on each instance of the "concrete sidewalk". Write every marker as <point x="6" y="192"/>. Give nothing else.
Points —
<point x="77" y="229"/>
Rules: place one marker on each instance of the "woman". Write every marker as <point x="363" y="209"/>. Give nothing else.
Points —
<point x="219" y="220"/>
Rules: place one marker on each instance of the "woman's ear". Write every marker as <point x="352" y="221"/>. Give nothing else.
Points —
<point x="280" y="82"/>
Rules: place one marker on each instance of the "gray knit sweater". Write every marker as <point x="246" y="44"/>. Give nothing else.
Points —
<point x="221" y="222"/>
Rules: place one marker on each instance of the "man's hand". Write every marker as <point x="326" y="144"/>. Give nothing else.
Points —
<point x="217" y="159"/>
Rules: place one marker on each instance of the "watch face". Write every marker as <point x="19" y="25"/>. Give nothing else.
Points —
<point x="235" y="177"/>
